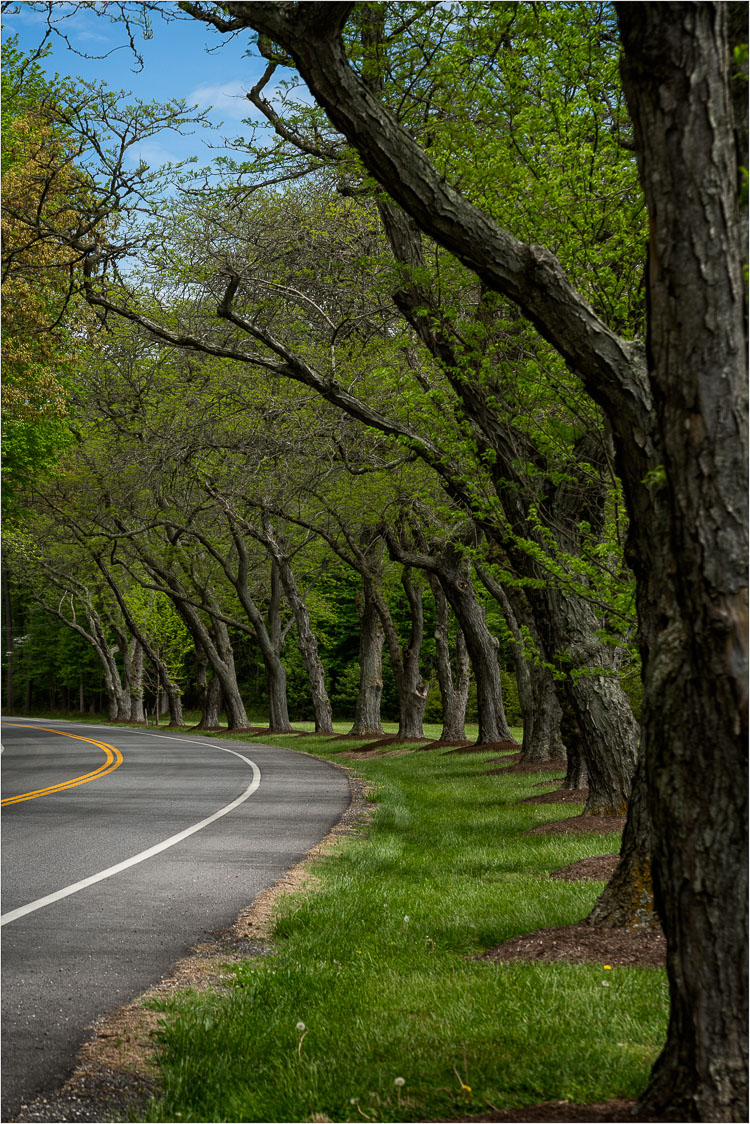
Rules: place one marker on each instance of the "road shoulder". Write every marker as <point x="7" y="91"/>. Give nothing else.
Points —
<point x="115" y="1076"/>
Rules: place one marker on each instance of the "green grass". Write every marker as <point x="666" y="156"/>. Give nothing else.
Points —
<point x="383" y="997"/>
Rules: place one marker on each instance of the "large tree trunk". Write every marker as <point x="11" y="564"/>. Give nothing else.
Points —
<point x="367" y="707"/>
<point x="454" y="691"/>
<point x="692" y="563"/>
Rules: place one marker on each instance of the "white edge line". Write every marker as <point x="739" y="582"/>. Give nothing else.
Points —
<point x="40" y="903"/>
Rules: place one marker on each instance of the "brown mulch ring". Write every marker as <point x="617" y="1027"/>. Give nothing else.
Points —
<point x="583" y="944"/>
<point x="553" y="765"/>
<point x="559" y="796"/>
<point x="618" y="1110"/>
<point x="598" y="868"/>
<point x="581" y="825"/>
<point x="486" y="747"/>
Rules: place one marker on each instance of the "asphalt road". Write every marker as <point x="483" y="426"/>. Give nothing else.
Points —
<point x="67" y="959"/>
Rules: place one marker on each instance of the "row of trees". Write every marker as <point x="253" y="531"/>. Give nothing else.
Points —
<point x="332" y="357"/>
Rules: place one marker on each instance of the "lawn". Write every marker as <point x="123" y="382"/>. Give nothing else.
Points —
<point x="370" y="1003"/>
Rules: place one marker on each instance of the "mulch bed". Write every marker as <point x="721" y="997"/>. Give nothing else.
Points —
<point x="583" y="944"/>
<point x="581" y="825"/>
<point x="559" y="796"/>
<point x="599" y="868"/>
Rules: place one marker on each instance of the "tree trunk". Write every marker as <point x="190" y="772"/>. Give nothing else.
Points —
<point x="367" y="707"/>
<point x="208" y="692"/>
<point x="306" y="639"/>
<point x="136" y="683"/>
<point x="692" y="563"/>
<point x="540" y="707"/>
<point x="482" y="646"/>
<point x="454" y="693"/>
<point x="627" y="901"/>
<point x="275" y="671"/>
<point x="411" y="687"/>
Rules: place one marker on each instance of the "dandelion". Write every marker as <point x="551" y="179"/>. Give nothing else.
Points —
<point x="605" y="983"/>
<point x="302" y="1032"/>
<point x="399" y="1083"/>
<point x="406" y="919"/>
<point x="607" y="967"/>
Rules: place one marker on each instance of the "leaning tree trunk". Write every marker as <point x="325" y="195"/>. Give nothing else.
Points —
<point x="411" y="687"/>
<point x="608" y="732"/>
<point x="367" y="707"/>
<point x="482" y="646"/>
<point x="689" y="548"/>
<point x="540" y="706"/>
<point x="306" y="639"/>
<point x="454" y="692"/>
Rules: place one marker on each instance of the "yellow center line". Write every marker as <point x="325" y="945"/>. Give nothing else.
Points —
<point x="114" y="760"/>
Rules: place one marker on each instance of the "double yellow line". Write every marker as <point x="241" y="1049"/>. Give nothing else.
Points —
<point x="114" y="760"/>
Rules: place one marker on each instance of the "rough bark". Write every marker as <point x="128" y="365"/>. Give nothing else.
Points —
<point x="627" y="901"/>
<point x="454" y="690"/>
<point x="692" y="590"/>
<point x="367" y="707"/>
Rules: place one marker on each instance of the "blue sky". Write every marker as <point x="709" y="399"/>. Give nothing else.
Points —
<point x="176" y="65"/>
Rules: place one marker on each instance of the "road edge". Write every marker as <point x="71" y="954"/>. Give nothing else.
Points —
<point x="114" y="1076"/>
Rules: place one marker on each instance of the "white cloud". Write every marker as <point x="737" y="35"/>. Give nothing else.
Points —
<point x="228" y="99"/>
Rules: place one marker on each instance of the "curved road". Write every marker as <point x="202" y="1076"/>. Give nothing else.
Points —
<point x="153" y="840"/>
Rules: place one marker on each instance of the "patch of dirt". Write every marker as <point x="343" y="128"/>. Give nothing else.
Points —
<point x="486" y="747"/>
<point x="599" y="868"/>
<point x="581" y="825"/>
<point x="618" y="1110"/>
<point x="559" y="796"/>
<point x="114" y="1076"/>
<point x="583" y="944"/>
<point x="554" y="764"/>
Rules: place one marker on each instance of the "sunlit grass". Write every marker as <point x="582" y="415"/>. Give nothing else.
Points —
<point x="377" y="964"/>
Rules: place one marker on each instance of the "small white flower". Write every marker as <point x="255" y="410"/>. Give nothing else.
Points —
<point x="301" y="1026"/>
<point x="399" y="1082"/>
<point x="406" y="918"/>
<point x="605" y="983"/>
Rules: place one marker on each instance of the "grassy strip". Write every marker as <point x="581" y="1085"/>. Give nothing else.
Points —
<point x="374" y="963"/>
